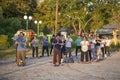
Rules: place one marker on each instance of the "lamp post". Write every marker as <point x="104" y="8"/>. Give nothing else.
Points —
<point x="38" y="22"/>
<point x="27" y="18"/>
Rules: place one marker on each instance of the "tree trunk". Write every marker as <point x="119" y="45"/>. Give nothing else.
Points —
<point x="87" y="22"/>
<point x="56" y="17"/>
<point x="79" y="31"/>
<point x="74" y="27"/>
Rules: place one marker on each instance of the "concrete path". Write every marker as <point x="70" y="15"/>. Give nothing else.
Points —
<point x="43" y="69"/>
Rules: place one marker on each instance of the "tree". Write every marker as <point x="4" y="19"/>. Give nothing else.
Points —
<point x="17" y="8"/>
<point x="1" y="11"/>
<point x="86" y="15"/>
<point x="9" y="27"/>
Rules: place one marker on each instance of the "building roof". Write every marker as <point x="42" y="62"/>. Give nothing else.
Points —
<point x="107" y="29"/>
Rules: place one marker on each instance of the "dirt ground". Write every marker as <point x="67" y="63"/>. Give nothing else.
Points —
<point x="43" y="69"/>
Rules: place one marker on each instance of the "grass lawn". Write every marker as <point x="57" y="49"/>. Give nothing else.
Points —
<point x="7" y="53"/>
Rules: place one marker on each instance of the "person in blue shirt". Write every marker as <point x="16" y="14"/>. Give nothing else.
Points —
<point x="78" y="41"/>
<point x="20" y="42"/>
<point x="45" y="46"/>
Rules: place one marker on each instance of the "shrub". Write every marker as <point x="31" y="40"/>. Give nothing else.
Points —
<point x="3" y="41"/>
<point x="115" y="47"/>
<point x="74" y="39"/>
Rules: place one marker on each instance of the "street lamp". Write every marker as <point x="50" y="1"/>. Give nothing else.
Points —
<point x="38" y="22"/>
<point x="27" y="18"/>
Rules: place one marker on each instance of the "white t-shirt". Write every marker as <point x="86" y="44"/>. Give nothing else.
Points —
<point x="107" y="42"/>
<point x="68" y="42"/>
<point x="102" y="43"/>
<point x="84" y="46"/>
<point x="35" y="43"/>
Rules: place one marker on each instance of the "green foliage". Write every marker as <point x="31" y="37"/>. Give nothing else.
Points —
<point x="1" y="11"/>
<point x="17" y="8"/>
<point x="74" y="39"/>
<point x="3" y="41"/>
<point x="7" y="54"/>
<point x="46" y="30"/>
<point x="115" y="47"/>
<point x="78" y="14"/>
<point x="9" y="27"/>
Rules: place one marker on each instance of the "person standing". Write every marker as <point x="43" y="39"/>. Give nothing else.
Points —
<point x="45" y="45"/>
<point x="102" y="45"/>
<point x="98" y="49"/>
<point x="57" y="48"/>
<point x="52" y="40"/>
<point x="84" y="50"/>
<point x="35" y="43"/>
<point x="89" y="50"/>
<point x="107" y="46"/>
<point x="69" y="45"/>
<point x="92" y="42"/>
<point x="63" y="50"/>
<point x="16" y="45"/>
<point x="20" y="42"/>
<point x="78" y="46"/>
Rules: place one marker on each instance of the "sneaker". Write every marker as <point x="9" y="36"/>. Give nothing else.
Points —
<point x="62" y="60"/>
<point x="105" y="55"/>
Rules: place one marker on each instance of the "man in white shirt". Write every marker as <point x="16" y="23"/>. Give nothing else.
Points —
<point x="102" y="45"/>
<point x="68" y="45"/>
<point x="107" y="46"/>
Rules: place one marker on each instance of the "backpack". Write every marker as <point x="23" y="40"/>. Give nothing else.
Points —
<point x="71" y="60"/>
<point x="68" y="60"/>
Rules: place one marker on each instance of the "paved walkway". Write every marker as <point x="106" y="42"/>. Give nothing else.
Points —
<point x="42" y="69"/>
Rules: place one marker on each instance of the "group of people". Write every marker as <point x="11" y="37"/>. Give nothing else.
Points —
<point x="59" y="46"/>
<point x="90" y="48"/>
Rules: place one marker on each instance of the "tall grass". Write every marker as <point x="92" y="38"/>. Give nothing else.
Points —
<point x="7" y="53"/>
<point x="115" y="47"/>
